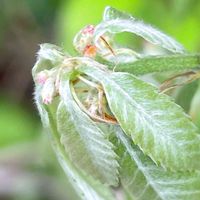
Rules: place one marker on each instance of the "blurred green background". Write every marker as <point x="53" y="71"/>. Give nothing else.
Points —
<point x="28" y="167"/>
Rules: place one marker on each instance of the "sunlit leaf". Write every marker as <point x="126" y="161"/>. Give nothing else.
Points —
<point x="117" y="22"/>
<point x="143" y="180"/>
<point x="159" y="126"/>
<point x="112" y="13"/>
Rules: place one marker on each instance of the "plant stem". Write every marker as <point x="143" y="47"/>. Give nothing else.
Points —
<point x="90" y="83"/>
<point x="93" y="116"/>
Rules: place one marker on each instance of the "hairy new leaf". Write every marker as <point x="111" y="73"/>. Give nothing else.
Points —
<point x="157" y="64"/>
<point x="112" y="13"/>
<point x="48" y="56"/>
<point x="143" y="180"/>
<point x="117" y="22"/>
<point x="86" y="145"/>
<point x="159" y="126"/>
<point x="86" y="186"/>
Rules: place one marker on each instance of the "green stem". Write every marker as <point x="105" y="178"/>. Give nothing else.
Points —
<point x="91" y="115"/>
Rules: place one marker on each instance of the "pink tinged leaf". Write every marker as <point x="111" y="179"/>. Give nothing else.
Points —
<point x="84" y="39"/>
<point x="48" y="91"/>
<point x="47" y="100"/>
<point x="88" y="29"/>
<point x="41" y="77"/>
<point x="90" y="51"/>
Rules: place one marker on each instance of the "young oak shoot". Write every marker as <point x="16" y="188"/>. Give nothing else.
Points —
<point x="112" y="130"/>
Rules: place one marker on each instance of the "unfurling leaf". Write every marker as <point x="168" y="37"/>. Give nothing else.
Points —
<point x="117" y="22"/>
<point x="48" y="56"/>
<point x="86" y="145"/>
<point x="112" y="13"/>
<point x="156" y="124"/>
<point x="85" y="185"/>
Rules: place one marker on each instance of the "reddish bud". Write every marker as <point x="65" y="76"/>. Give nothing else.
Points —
<point x="48" y="91"/>
<point x="41" y="77"/>
<point x="90" y="51"/>
<point x="88" y="29"/>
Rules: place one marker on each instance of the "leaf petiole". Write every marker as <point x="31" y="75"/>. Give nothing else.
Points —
<point x="95" y="117"/>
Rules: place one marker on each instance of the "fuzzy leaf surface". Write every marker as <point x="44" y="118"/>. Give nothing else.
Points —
<point x="86" y="186"/>
<point x="152" y="64"/>
<point x="117" y="22"/>
<point x="158" y="125"/>
<point x="48" y="56"/>
<point x="112" y="13"/>
<point x="143" y="180"/>
<point x="86" y="145"/>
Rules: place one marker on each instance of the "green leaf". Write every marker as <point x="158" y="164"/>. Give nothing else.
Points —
<point x="111" y="13"/>
<point x="86" y="145"/>
<point x="157" y="64"/>
<point x="120" y="22"/>
<point x="159" y="126"/>
<point x="86" y="186"/>
<point x="143" y="180"/>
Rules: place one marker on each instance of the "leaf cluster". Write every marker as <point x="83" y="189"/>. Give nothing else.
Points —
<point x="111" y="130"/>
